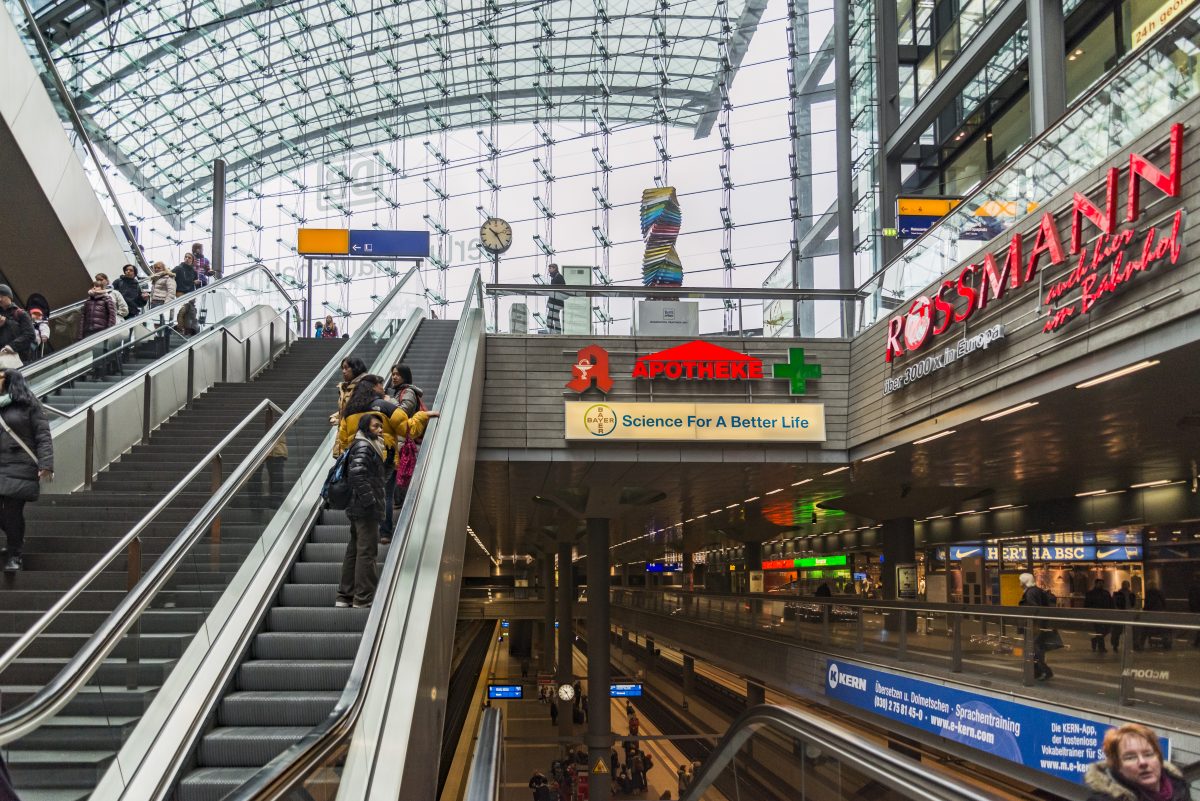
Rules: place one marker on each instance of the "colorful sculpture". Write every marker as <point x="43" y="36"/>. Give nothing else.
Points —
<point x="660" y="228"/>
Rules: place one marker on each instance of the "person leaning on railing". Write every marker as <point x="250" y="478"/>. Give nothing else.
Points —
<point x="1134" y="769"/>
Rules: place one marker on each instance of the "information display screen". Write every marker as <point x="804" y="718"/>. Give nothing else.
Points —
<point x="625" y="690"/>
<point x="506" y="691"/>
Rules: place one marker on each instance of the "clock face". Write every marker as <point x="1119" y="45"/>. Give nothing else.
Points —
<point x="566" y="692"/>
<point x="495" y="235"/>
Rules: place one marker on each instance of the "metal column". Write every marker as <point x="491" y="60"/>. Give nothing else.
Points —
<point x="803" y="313"/>
<point x="887" y="83"/>
<point x="546" y="664"/>
<point x="566" y="636"/>
<point x="1047" y="70"/>
<point x="845" y="182"/>
<point x="599" y="728"/>
<point x="218" y="218"/>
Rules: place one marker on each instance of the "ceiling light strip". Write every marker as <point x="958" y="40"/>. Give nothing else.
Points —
<point x="1124" y="371"/>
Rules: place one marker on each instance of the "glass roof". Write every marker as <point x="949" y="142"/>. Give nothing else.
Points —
<point x="168" y="86"/>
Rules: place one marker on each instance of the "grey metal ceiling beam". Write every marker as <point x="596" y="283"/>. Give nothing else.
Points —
<point x="814" y="241"/>
<point x="995" y="32"/>
<point x="744" y="29"/>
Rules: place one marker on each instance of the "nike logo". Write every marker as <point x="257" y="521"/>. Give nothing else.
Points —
<point x="964" y="553"/>
<point x="1101" y="554"/>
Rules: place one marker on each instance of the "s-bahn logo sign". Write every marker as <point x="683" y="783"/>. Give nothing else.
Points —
<point x="694" y="361"/>
<point x="1115" y="259"/>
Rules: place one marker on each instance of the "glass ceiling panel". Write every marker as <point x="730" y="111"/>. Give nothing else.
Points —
<point x="169" y="86"/>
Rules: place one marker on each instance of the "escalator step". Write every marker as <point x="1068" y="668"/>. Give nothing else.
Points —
<point x="248" y="746"/>
<point x="300" y="618"/>
<point x="269" y="674"/>
<point x="304" y="645"/>
<point x="286" y="708"/>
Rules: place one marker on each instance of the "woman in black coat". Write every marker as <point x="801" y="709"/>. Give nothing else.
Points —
<point x="365" y="470"/>
<point x="24" y="431"/>
<point x="131" y="289"/>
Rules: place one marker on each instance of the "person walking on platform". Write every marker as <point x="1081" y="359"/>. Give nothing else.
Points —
<point x="537" y="781"/>
<point x="553" y="713"/>
<point x="1156" y="601"/>
<point x="1133" y="769"/>
<point x="1126" y="599"/>
<point x="682" y="779"/>
<point x="365" y="470"/>
<point x="1098" y="598"/>
<point x="555" y="304"/>
<point x="1036" y="596"/>
<point x="26" y="458"/>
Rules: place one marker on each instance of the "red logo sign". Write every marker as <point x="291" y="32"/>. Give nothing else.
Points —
<point x="590" y="368"/>
<point x="1097" y="274"/>
<point x="699" y="360"/>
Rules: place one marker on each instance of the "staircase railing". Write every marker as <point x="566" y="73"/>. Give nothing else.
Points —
<point x="55" y="695"/>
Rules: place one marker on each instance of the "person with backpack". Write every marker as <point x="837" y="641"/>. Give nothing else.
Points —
<point x="1036" y="596"/>
<point x="26" y="458"/>
<point x="364" y="472"/>
<point x="16" y="327"/>
<point x="409" y="399"/>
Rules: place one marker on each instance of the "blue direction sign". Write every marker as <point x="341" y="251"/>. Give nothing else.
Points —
<point x="402" y="244"/>
<point x="633" y="690"/>
<point x="505" y="691"/>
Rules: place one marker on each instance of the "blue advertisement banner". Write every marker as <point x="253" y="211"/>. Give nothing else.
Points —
<point x="1047" y="741"/>
<point x="1051" y="553"/>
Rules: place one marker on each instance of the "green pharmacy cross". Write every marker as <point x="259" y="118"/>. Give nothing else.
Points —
<point x="796" y="371"/>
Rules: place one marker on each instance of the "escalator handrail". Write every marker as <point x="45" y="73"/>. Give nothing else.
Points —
<point x="279" y="776"/>
<point x="483" y="780"/>
<point x="79" y="669"/>
<point x="887" y="767"/>
<point x="55" y="359"/>
<point x="122" y="545"/>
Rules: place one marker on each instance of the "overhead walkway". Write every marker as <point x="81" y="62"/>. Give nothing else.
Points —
<point x="83" y="678"/>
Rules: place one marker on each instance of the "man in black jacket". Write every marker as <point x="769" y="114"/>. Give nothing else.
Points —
<point x="365" y="469"/>
<point x="1098" y="598"/>
<point x="185" y="276"/>
<point x="16" y="326"/>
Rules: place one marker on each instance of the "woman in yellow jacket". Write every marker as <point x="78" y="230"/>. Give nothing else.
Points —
<point x="368" y="398"/>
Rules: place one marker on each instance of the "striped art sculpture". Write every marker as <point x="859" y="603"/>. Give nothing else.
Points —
<point x="660" y="229"/>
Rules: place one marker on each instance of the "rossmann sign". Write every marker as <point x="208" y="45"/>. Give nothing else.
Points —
<point x="1117" y="257"/>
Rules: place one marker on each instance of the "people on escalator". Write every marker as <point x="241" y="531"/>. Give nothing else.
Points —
<point x="353" y="368"/>
<point x="16" y="328"/>
<point x="26" y="459"/>
<point x="118" y="298"/>
<point x="99" y="313"/>
<point x="204" y="271"/>
<point x="131" y="290"/>
<point x="1098" y="598"/>
<point x="329" y="330"/>
<point x="365" y="468"/>
<point x="185" y="275"/>
<point x="1133" y="769"/>
<point x="162" y="285"/>
<point x="41" y="333"/>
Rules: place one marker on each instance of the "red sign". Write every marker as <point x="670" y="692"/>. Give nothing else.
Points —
<point x="1097" y="274"/>
<point x="779" y="564"/>
<point x="591" y="368"/>
<point x="699" y="360"/>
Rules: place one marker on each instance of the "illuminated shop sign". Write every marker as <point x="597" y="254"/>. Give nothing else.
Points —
<point x="802" y="563"/>
<point x="663" y="567"/>
<point x="1115" y="259"/>
<point x="944" y="358"/>
<point x="694" y="361"/>
<point x="1050" y="553"/>
<point x="695" y="422"/>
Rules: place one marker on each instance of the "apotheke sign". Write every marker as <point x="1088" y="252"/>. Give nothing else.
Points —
<point x="1100" y="271"/>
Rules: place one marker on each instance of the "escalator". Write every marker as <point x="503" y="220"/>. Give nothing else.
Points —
<point x="80" y="680"/>
<point x="300" y="661"/>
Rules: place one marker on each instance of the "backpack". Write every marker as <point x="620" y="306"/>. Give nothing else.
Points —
<point x="407" y="464"/>
<point x="336" y="490"/>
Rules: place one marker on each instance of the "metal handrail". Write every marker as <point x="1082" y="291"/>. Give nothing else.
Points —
<point x="56" y="694"/>
<point x="87" y="343"/>
<point x="122" y="545"/>
<point x="483" y="782"/>
<point x="275" y="779"/>
<point x="85" y="367"/>
<point x="1135" y="617"/>
<point x="887" y="767"/>
<point x="732" y="293"/>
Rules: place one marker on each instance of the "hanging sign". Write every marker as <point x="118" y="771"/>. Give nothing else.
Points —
<point x="695" y="422"/>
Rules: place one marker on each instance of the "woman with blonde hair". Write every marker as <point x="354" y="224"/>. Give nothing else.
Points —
<point x="1134" y="769"/>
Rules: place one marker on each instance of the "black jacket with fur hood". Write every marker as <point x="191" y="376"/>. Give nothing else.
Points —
<point x="1107" y="787"/>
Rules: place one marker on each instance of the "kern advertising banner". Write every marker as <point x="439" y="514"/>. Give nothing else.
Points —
<point x="1051" y="742"/>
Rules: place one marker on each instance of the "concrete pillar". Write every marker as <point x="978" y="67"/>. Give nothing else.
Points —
<point x="755" y="694"/>
<point x="845" y="178"/>
<point x="599" y="728"/>
<point x="688" y="584"/>
<point x="1047" y="66"/>
<point x="546" y="663"/>
<point x="566" y="635"/>
<point x="689" y="678"/>
<point x="899" y="547"/>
